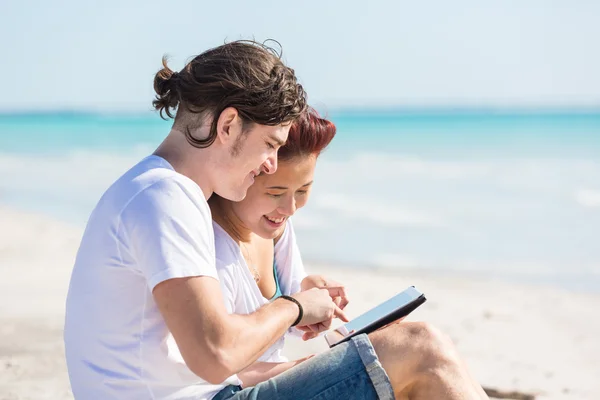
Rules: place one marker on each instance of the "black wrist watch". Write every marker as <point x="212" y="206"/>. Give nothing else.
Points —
<point x="300" y="310"/>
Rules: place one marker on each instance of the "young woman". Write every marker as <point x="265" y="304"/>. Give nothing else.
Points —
<point x="257" y="256"/>
<point x="258" y="260"/>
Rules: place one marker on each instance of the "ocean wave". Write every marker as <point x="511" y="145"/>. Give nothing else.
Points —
<point x="378" y="167"/>
<point x="69" y="184"/>
<point x="373" y="210"/>
<point x="511" y="214"/>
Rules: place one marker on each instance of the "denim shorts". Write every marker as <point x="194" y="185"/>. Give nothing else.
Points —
<point x="350" y="370"/>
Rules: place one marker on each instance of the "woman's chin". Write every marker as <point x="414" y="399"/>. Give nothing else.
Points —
<point x="269" y="232"/>
<point x="269" y="235"/>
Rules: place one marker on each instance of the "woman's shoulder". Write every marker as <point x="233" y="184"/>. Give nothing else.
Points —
<point x="287" y="237"/>
<point x="285" y="248"/>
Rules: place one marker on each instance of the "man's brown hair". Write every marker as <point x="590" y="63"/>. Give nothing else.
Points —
<point x="246" y="75"/>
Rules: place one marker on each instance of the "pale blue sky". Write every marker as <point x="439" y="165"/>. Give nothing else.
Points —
<point x="103" y="54"/>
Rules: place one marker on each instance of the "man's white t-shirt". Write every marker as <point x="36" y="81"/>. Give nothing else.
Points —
<point x="240" y="291"/>
<point x="151" y="225"/>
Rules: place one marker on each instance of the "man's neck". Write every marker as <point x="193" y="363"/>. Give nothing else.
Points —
<point x="187" y="160"/>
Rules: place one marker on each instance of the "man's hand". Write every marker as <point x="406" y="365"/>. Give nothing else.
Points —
<point x="319" y="309"/>
<point x="337" y="291"/>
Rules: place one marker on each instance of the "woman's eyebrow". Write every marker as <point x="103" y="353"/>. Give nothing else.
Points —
<point x="285" y="187"/>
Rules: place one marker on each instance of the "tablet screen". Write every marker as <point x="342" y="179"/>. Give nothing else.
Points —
<point x="383" y="310"/>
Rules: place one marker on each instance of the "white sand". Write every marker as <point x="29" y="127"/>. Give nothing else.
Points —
<point x="514" y="337"/>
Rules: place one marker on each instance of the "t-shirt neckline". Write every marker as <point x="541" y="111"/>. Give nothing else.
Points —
<point x="241" y="257"/>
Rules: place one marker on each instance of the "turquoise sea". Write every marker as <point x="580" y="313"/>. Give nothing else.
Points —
<point x="509" y="194"/>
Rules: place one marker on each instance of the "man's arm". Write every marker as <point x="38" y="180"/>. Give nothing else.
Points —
<point x="169" y="236"/>
<point x="215" y="344"/>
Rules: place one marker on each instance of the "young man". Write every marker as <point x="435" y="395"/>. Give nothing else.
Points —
<point x="145" y="317"/>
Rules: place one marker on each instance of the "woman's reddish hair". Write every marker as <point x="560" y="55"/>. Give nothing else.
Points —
<point x="309" y="134"/>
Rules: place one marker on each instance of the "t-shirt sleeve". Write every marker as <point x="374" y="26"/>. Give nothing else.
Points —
<point x="290" y="268"/>
<point x="288" y="261"/>
<point x="169" y="232"/>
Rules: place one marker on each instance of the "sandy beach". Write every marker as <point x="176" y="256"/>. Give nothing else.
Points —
<point x="535" y="339"/>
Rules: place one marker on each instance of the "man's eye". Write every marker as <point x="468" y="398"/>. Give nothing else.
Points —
<point x="270" y="146"/>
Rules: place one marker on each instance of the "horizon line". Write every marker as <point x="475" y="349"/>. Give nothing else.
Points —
<point x="365" y="109"/>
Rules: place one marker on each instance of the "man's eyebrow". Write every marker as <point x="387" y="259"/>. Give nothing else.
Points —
<point x="278" y="141"/>
<point x="285" y="188"/>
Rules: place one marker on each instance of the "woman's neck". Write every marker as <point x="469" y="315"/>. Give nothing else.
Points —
<point x="223" y="215"/>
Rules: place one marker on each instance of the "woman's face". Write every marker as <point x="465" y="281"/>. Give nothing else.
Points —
<point x="275" y="197"/>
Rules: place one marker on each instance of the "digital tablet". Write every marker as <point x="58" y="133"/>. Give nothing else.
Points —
<point x="385" y="313"/>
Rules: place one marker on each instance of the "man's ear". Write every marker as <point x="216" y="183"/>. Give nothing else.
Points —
<point x="228" y="125"/>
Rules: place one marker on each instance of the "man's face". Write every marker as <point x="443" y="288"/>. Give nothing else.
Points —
<point x="253" y="152"/>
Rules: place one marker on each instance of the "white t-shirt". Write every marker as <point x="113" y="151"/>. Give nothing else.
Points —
<point x="151" y="225"/>
<point x="240" y="291"/>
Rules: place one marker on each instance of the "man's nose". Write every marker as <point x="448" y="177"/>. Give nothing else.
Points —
<point x="270" y="165"/>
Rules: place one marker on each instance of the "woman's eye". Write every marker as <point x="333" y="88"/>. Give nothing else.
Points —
<point x="302" y="192"/>
<point x="270" y="146"/>
<point x="274" y="195"/>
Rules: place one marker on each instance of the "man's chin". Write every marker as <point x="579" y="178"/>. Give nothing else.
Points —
<point x="239" y="196"/>
<point x="234" y="195"/>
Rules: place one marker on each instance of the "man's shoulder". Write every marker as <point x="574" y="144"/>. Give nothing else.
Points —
<point x="155" y="174"/>
<point x="153" y="182"/>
